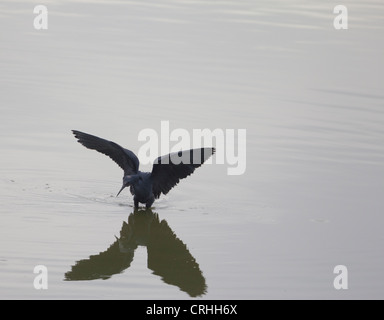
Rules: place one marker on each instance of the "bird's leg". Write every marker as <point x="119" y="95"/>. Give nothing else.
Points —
<point x="136" y="202"/>
<point x="150" y="202"/>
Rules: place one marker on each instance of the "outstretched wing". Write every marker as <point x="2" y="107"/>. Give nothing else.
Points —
<point x="126" y="159"/>
<point x="101" y="266"/>
<point x="168" y="170"/>
<point x="169" y="258"/>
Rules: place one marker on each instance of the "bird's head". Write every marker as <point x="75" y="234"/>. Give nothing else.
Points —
<point x="127" y="181"/>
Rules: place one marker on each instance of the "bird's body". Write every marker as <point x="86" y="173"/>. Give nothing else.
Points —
<point x="141" y="188"/>
<point x="147" y="186"/>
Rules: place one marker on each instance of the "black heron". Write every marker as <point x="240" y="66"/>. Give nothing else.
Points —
<point x="168" y="256"/>
<point x="147" y="186"/>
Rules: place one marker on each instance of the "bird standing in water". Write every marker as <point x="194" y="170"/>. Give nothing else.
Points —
<point x="147" y="186"/>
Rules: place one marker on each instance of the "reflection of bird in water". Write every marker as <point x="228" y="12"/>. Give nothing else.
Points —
<point x="147" y="186"/>
<point x="168" y="256"/>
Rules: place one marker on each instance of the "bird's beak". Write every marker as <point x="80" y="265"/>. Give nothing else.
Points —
<point x="122" y="188"/>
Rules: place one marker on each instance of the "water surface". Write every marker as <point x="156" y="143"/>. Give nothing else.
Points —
<point x="310" y="97"/>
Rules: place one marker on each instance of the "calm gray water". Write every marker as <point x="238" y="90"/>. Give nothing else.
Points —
<point x="310" y="97"/>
